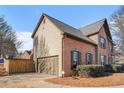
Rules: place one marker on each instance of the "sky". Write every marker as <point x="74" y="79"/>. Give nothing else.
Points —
<point x="24" y="19"/>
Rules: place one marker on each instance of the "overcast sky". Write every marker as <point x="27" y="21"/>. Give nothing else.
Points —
<point x="23" y="19"/>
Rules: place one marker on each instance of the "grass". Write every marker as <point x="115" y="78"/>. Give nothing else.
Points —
<point x="115" y="79"/>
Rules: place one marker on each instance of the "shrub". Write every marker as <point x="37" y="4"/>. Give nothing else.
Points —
<point x="108" y="68"/>
<point x="74" y="73"/>
<point x="122" y="67"/>
<point x="113" y="68"/>
<point x="90" y="70"/>
<point x="117" y="68"/>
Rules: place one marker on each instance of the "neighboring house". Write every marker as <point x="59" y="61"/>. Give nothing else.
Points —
<point x="25" y="55"/>
<point x="58" y="47"/>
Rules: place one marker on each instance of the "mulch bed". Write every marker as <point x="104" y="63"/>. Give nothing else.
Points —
<point x="115" y="79"/>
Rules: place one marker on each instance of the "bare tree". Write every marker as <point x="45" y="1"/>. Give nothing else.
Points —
<point x="43" y="48"/>
<point x="117" y="26"/>
<point x="43" y="52"/>
<point x="8" y="40"/>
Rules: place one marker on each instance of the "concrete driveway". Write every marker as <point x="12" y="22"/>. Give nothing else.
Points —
<point x="28" y="80"/>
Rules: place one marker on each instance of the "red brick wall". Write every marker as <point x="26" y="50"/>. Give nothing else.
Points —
<point x="72" y="44"/>
<point x="105" y="51"/>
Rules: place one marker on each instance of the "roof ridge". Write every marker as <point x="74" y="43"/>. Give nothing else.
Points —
<point x="61" y="21"/>
<point x="93" y="23"/>
<point x="69" y="27"/>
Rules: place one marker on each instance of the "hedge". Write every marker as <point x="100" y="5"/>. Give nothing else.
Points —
<point x="90" y="70"/>
<point x="122" y="67"/>
<point x="108" y="68"/>
<point x="117" y="68"/>
<point x="114" y="68"/>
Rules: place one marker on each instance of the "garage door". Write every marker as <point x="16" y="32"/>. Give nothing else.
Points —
<point x="48" y="65"/>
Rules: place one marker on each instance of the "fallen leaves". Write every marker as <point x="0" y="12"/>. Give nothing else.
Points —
<point x="115" y="79"/>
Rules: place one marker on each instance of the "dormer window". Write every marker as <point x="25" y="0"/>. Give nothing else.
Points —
<point x="102" y="42"/>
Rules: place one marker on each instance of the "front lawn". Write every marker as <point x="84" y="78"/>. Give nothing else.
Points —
<point x="115" y="79"/>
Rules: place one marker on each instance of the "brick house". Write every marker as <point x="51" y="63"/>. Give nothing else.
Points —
<point x="27" y="54"/>
<point x="58" y="47"/>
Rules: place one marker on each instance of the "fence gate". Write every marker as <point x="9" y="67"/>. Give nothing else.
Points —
<point x="48" y="65"/>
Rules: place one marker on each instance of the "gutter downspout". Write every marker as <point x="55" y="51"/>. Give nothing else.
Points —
<point x="63" y="55"/>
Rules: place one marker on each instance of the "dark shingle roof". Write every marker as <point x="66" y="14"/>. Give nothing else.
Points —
<point x="69" y="29"/>
<point x="92" y="28"/>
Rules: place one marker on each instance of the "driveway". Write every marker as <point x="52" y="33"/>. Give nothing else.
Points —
<point x="28" y="80"/>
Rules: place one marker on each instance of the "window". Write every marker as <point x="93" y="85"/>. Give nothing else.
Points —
<point x="103" y="60"/>
<point x="88" y="58"/>
<point x="102" y="42"/>
<point x="113" y="59"/>
<point x="75" y="58"/>
<point x="109" y="59"/>
<point x="110" y="48"/>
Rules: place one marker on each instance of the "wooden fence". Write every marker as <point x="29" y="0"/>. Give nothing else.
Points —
<point x="1" y="65"/>
<point x="18" y="65"/>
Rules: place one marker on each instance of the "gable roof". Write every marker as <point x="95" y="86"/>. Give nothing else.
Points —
<point x="95" y="28"/>
<point x="67" y="29"/>
<point x="92" y="28"/>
